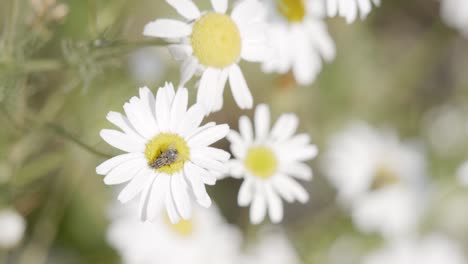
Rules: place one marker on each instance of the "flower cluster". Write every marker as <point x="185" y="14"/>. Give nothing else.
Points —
<point x="170" y="160"/>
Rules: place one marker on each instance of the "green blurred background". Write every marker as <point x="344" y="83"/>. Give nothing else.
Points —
<point x="61" y="72"/>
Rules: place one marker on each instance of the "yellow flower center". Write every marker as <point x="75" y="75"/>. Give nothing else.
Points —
<point x="384" y="177"/>
<point x="293" y="10"/>
<point x="216" y="40"/>
<point x="160" y="145"/>
<point x="261" y="162"/>
<point x="183" y="228"/>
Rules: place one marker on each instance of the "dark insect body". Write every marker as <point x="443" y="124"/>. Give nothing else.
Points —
<point x="167" y="157"/>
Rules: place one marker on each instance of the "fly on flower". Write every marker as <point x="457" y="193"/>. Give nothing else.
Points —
<point x="211" y="44"/>
<point x="169" y="159"/>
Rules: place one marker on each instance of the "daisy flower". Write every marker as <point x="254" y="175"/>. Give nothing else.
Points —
<point x="205" y="239"/>
<point x="13" y="226"/>
<point x="381" y="180"/>
<point x="298" y="39"/>
<point x="434" y="249"/>
<point x="268" y="162"/>
<point x="169" y="158"/>
<point x="211" y="44"/>
<point x="350" y="9"/>
<point x="455" y="14"/>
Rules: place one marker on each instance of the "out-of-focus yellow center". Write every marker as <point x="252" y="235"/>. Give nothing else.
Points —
<point x="216" y="40"/>
<point x="163" y="142"/>
<point x="183" y="228"/>
<point x="293" y="10"/>
<point x="261" y="162"/>
<point x="384" y="177"/>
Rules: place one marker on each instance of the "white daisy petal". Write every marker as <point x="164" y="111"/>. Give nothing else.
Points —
<point x="192" y="119"/>
<point x="111" y="163"/>
<point x="167" y="28"/>
<point x="162" y="110"/>
<point x="147" y="102"/>
<point x="194" y="175"/>
<point x="306" y="63"/>
<point x="365" y="7"/>
<point x="275" y="206"/>
<point x="158" y="195"/>
<point x="238" y="147"/>
<point x="144" y="201"/>
<point x="239" y="88"/>
<point x="246" y="192"/>
<point x="124" y="172"/>
<point x="220" y="6"/>
<point x="324" y="44"/>
<point x="236" y="168"/>
<point x="207" y="162"/>
<point x="178" y="108"/>
<point x="136" y="185"/>
<point x="300" y="139"/>
<point x="212" y="153"/>
<point x="258" y="208"/>
<point x="246" y="129"/>
<point x="122" y="141"/>
<point x="252" y="52"/>
<point x="180" y="52"/>
<point x="286" y="194"/>
<point x="298" y="170"/>
<point x="246" y="11"/>
<point x="199" y="130"/>
<point x="208" y="87"/>
<point x="332" y="8"/>
<point x="181" y="197"/>
<point x="295" y="189"/>
<point x="174" y="216"/>
<point x="351" y="12"/>
<point x="262" y="122"/>
<point x="136" y="116"/>
<point x="209" y="178"/>
<point x="303" y="153"/>
<point x="187" y="70"/>
<point x="185" y="8"/>
<point x="285" y="127"/>
<point x="169" y="92"/>
<point x="123" y="123"/>
<point x="209" y="136"/>
<point x="223" y="76"/>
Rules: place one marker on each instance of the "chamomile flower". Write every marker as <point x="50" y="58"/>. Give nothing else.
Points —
<point x="380" y="179"/>
<point x="211" y="44"/>
<point x="13" y="226"/>
<point x="205" y="239"/>
<point x="434" y="249"/>
<point x="298" y="39"/>
<point x="168" y="158"/>
<point x="455" y="14"/>
<point x="268" y="162"/>
<point x="350" y="9"/>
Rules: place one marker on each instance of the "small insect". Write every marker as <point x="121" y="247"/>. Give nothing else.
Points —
<point x="167" y="157"/>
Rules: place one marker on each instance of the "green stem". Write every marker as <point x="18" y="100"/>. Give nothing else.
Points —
<point x="119" y="47"/>
<point x="66" y="135"/>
